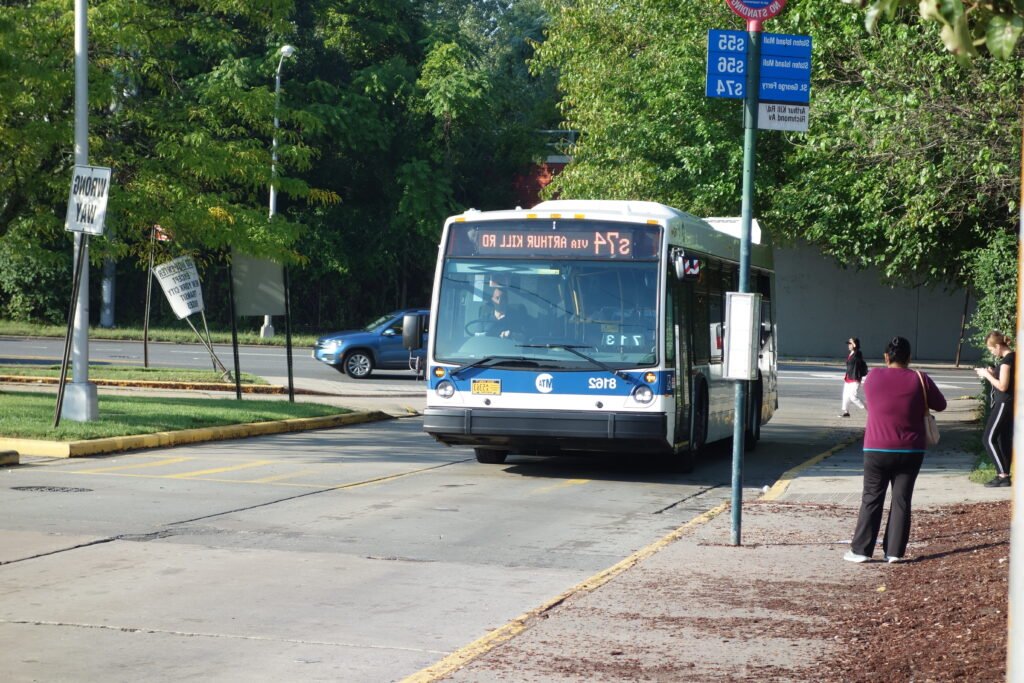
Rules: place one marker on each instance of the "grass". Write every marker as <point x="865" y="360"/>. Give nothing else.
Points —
<point x="984" y="468"/>
<point x="182" y="335"/>
<point x="131" y="373"/>
<point x="27" y="415"/>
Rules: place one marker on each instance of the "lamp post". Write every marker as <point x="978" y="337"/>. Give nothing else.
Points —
<point x="82" y="403"/>
<point x="267" y="330"/>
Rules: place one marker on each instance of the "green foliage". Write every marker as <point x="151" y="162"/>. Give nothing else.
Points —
<point x="35" y="284"/>
<point x="963" y="25"/>
<point x="993" y="274"/>
<point x="393" y="114"/>
<point x="909" y="163"/>
<point x="992" y="266"/>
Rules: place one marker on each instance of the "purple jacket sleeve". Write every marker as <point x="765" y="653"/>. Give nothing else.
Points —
<point x="936" y="401"/>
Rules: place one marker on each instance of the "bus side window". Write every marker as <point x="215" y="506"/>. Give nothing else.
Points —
<point x="716" y="312"/>
<point x="764" y="287"/>
<point x="701" y="339"/>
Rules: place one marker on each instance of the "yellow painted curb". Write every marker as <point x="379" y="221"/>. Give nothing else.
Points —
<point x="75" y="449"/>
<point x="779" y="487"/>
<point x="481" y="646"/>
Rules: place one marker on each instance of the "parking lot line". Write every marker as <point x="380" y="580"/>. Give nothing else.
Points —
<point x="562" y="485"/>
<point x="218" y="470"/>
<point x="118" y="468"/>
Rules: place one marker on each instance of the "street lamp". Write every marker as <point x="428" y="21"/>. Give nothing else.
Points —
<point x="285" y="52"/>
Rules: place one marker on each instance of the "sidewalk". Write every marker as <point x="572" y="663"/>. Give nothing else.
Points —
<point x="701" y="609"/>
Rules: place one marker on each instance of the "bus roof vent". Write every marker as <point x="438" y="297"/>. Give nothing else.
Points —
<point x="594" y="206"/>
<point x="733" y="226"/>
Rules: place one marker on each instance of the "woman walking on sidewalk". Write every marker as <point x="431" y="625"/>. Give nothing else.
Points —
<point x="998" y="435"/>
<point x="894" y="447"/>
<point x="856" y="368"/>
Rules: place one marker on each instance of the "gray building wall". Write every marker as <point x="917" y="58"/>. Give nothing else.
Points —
<point x="821" y="305"/>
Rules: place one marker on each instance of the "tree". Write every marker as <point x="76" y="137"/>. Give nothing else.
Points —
<point x="394" y="114"/>
<point x="631" y="76"/>
<point x="995" y="25"/>
<point x="433" y="112"/>
<point x="965" y="26"/>
<point x="908" y="164"/>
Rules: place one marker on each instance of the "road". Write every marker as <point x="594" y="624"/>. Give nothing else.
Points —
<point x="271" y="362"/>
<point x="258" y="360"/>
<point x="357" y="554"/>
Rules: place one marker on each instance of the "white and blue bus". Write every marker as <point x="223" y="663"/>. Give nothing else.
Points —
<point x="590" y="326"/>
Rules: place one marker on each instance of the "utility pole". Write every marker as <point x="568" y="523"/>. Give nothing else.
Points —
<point x="81" y="402"/>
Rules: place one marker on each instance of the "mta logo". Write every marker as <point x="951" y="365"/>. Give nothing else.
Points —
<point x="545" y="383"/>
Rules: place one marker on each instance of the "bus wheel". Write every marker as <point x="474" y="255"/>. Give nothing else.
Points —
<point x="490" y="456"/>
<point x="752" y="434"/>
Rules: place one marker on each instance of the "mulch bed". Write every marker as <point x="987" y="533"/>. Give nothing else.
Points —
<point x="942" y="616"/>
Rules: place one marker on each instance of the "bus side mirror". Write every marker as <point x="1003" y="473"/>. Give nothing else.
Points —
<point x="679" y="264"/>
<point x="412" y="331"/>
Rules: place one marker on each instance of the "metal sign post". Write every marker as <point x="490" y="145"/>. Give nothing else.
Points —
<point x="755" y="12"/>
<point x="86" y="213"/>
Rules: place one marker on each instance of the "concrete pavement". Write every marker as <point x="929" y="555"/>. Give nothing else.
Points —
<point x="695" y="607"/>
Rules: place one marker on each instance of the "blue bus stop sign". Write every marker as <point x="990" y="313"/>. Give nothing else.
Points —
<point x="727" y="64"/>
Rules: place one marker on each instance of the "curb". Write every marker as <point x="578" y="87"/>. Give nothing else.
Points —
<point x="207" y="386"/>
<point x="86" y="447"/>
<point x="482" y="646"/>
<point x="779" y="487"/>
<point x="466" y="654"/>
<point x="154" y="384"/>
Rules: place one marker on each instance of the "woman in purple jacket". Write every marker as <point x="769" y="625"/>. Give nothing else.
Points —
<point x="894" y="446"/>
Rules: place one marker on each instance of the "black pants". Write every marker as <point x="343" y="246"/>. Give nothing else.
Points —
<point x="881" y="470"/>
<point x="998" y="436"/>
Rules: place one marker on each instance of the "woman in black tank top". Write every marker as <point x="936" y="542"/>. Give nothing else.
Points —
<point x="998" y="435"/>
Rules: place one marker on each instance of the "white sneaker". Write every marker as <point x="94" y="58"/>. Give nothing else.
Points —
<point x="891" y="560"/>
<point x="851" y="556"/>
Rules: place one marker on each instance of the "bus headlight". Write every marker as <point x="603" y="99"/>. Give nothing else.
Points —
<point x="445" y="389"/>
<point x="643" y="394"/>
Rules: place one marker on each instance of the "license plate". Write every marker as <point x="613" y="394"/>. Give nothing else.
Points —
<point x="487" y="387"/>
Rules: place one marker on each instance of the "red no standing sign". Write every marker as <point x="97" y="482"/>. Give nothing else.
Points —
<point x="756" y="11"/>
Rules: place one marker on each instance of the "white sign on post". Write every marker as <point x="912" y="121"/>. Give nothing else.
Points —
<point x="180" y="281"/>
<point x="782" y="116"/>
<point x="87" y="204"/>
<point x="742" y="335"/>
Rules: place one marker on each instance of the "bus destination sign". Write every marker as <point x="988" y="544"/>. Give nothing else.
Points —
<point x="576" y="239"/>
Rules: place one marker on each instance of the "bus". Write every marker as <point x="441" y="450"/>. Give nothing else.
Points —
<point x="590" y="326"/>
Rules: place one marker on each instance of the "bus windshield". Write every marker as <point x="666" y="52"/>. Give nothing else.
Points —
<point x="548" y="313"/>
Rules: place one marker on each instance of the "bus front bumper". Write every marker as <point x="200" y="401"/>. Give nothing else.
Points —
<point x="544" y="430"/>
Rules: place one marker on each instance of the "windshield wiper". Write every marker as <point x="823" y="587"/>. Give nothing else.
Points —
<point x="574" y="350"/>
<point x="492" y="360"/>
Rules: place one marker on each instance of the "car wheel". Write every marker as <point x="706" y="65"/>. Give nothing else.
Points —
<point x="490" y="456"/>
<point x="358" y="365"/>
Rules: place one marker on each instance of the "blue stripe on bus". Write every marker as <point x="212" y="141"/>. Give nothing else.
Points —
<point x="584" y="382"/>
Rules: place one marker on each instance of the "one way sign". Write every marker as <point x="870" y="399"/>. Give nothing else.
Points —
<point x="87" y="205"/>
